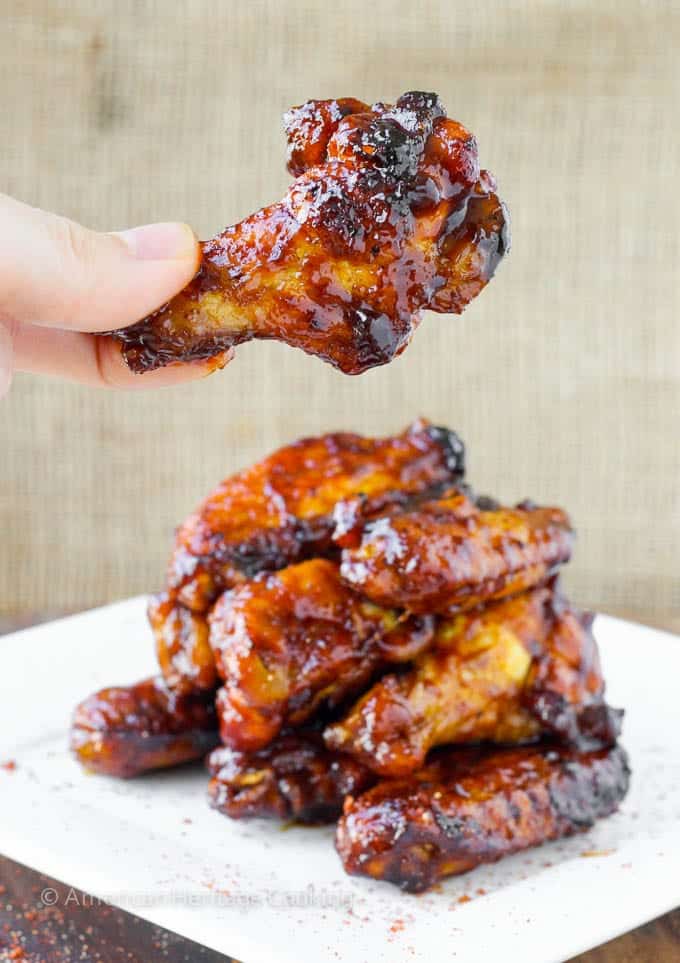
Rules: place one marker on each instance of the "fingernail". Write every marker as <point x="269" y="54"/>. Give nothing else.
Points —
<point x="160" y="242"/>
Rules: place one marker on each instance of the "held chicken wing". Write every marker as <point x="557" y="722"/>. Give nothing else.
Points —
<point x="449" y="555"/>
<point x="125" y="731"/>
<point x="279" y="512"/>
<point x="295" y="777"/>
<point x="389" y="214"/>
<point x="470" y="807"/>
<point x="293" y="641"/>
<point x="509" y="673"/>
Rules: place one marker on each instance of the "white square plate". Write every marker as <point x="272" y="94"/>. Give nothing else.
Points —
<point x="262" y="893"/>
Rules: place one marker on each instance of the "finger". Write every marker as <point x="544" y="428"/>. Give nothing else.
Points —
<point x="6" y="353"/>
<point x="55" y="272"/>
<point x="96" y="360"/>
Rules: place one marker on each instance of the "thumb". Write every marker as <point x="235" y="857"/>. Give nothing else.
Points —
<point x="54" y="272"/>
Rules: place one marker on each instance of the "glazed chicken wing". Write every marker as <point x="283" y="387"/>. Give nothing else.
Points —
<point x="486" y="677"/>
<point x="182" y="648"/>
<point x="279" y="512"/>
<point x="565" y="686"/>
<point x="295" y="777"/>
<point x="449" y="555"/>
<point x="389" y="214"/>
<point x="466" y="688"/>
<point x="125" y="731"/>
<point x="293" y="641"/>
<point x="466" y="808"/>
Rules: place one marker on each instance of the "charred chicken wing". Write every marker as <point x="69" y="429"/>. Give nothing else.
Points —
<point x="279" y="512"/>
<point x="483" y="678"/>
<point x="448" y="555"/>
<point x="471" y="807"/>
<point x="565" y="687"/>
<point x="466" y="688"/>
<point x="295" y="777"/>
<point x="125" y="731"/>
<point x="388" y="214"/>
<point x="293" y="641"/>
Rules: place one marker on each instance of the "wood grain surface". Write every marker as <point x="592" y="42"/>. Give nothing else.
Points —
<point x="79" y="928"/>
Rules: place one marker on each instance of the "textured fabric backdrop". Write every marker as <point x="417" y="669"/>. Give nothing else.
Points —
<point x="563" y="377"/>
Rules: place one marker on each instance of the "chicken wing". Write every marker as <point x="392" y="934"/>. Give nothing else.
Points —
<point x="293" y="641"/>
<point x="565" y="686"/>
<point x="466" y="688"/>
<point x="281" y="511"/>
<point x="295" y="777"/>
<point x="182" y="645"/>
<point x="389" y="214"/>
<point x="466" y="808"/>
<point x="486" y="677"/>
<point x="449" y="555"/>
<point x="125" y="731"/>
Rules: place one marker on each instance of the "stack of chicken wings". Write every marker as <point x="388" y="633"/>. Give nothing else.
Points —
<point x="349" y="632"/>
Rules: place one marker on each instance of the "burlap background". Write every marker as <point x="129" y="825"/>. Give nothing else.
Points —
<point x="564" y="377"/>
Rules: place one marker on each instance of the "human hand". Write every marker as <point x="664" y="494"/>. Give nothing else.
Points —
<point x="61" y="283"/>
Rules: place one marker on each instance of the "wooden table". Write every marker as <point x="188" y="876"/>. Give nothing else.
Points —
<point x="31" y="932"/>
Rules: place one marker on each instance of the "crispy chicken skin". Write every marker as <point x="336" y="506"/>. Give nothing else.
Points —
<point x="389" y="214"/>
<point x="125" y="731"/>
<point x="294" y="641"/>
<point x="485" y="678"/>
<point x="449" y="555"/>
<point x="295" y="777"/>
<point x="466" y="808"/>
<point x="281" y="511"/>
